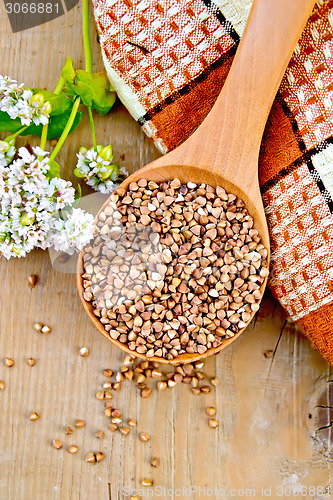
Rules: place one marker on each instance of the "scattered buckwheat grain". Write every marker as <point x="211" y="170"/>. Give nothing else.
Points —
<point x="112" y="427"/>
<point x="38" y="327"/>
<point x="155" y="462"/>
<point x="32" y="280"/>
<point x="147" y="482"/>
<point x="45" y="329"/>
<point x="84" y="352"/>
<point x="211" y="411"/>
<point x="124" y="430"/>
<point x="100" y="434"/>
<point x="91" y="458"/>
<point x="99" y="456"/>
<point x="79" y="424"/>
<point x="57" y="444"/>
<point x="73" y="449"/>
<point x="213" y="423"/>
<point x="144" y="436"/>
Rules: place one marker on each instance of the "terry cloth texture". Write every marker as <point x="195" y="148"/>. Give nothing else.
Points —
<point x="168" y="60"/>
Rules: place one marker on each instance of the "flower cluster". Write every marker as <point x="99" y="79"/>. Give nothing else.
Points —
<point x="97" y="169"/>
<point x="37" y="211"/>
<point x="21" y="103"/>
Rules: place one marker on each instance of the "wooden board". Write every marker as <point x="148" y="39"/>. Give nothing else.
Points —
<point x="268" y="434"/>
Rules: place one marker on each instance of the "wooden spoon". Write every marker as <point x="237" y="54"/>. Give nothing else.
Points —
<point x="224" y="150"/>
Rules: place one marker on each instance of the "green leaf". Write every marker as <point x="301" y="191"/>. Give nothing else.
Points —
<point x="69" y="93"/>
<point x="54" y="170"/>
<point x="104" y="104"/>
<point x="86" y="93"/>
<point x="102" y="98"/>
<point x="59" y="102"/>
<point x="93" y="88"/>
<point x="68" y="72"/>
<point x="9" y="125"/>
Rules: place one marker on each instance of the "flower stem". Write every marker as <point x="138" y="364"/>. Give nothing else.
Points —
<point x="59" y="86"/>
<point x="13" y="136"/>
<point x="91" y="119"/>
<point x="61" y="83"/>
<point x="67" y="129"/>
<point x="57" y="90"/>
<point x="86" y="35"/>
<point x="88" y="58"/>
<point x="44" y="136"/>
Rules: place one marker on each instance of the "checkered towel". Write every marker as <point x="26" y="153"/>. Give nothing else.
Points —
<point x="168" y="59"/>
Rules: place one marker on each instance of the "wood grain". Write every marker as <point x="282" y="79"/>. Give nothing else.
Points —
<point x="263" y="437"/>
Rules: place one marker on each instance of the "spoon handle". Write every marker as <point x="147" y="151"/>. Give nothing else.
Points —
<point x="229" y="138"/>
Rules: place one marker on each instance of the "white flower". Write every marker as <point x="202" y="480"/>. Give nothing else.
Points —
<point x="97" y="169"/>
<point x="63" y="191"/>
<point x="25" y="155"/>
<point x="74" y="232"/>
<point x="29" y="208"/>
<point x="6" y="82"/>
<point x="16" y="101"/>
<point x="7" y="153"/>
<point x="39" y="152"/>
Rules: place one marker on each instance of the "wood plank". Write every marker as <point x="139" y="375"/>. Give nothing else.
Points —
<point x="263" y="437"/>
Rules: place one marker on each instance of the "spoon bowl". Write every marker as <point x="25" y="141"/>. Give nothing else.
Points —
<point x="159" y="173"/>
<point x="224" y="150"/>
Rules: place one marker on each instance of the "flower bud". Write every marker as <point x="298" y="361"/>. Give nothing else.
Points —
<point x="26" y="220"/>
<point x="115" y="172"/>
<point x="4" y="146"/>
<point x="106" y="153"/>
<point x="37" y="100"/>
<point x="83" y="150"/>
<point x="78" y="173"/>
<point x="47" y="107"/>
<point x="105" y="171"/>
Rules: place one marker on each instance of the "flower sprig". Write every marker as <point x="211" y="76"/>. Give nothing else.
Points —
<point x="96" y="167"/>
<point x="37" y="205"/>
<point x="33" y="108"/>
<point x="36" y="210"/>
<point x="22" y="103"/>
